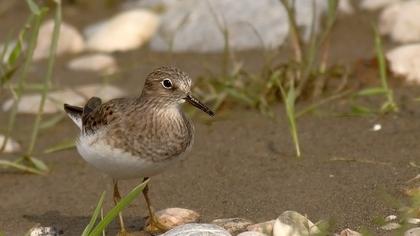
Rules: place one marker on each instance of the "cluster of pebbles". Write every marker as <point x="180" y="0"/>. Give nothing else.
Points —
<point x="184" y="222"/>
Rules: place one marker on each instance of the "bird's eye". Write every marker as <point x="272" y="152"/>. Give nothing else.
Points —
<point x="167" y="83"/>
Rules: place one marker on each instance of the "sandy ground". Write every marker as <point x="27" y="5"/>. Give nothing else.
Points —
<point x="242" y="164"/>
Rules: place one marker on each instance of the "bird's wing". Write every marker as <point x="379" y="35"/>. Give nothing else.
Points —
<point x="97" y="114"/>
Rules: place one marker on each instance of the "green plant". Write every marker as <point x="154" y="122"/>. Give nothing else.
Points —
<point x="27" y="162"/>
<point x="389" y="105"/>
<point x="93" y="229"/>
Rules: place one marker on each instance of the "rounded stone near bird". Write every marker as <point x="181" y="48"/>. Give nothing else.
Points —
<point x="197" y="230"/>
<point x="172" y="217"/>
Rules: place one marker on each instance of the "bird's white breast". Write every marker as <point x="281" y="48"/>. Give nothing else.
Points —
<point x="116" y="162"/>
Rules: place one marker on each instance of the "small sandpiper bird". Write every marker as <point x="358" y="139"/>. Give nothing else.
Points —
<point x="138" y="137"/>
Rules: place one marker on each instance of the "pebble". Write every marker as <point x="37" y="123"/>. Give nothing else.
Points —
<point x="197" y="230"/>
<point x="412" y="232"/>
<point x="413" y="221"/>
<point x="349" y="232"/>
<point x="98" y="62"/>
<point x="29" y="104"/>
<point x="11" y="146"/>
<point x="373" y="5"/>
<point x="172" y="217"/>
<point x="126" y="31"/>
<point x="401" y="21"/>
<point x="233" y="225"/>
<point x="70" y="40"/>
<point x="45" y="231"/>
<point x="405" y="61"/>
<point x="264" y="227"/>
<point x="291" y="223"/>
<point x="251" y="233"/>
<point x="391" y="226"/>
<point x="390" y="218"/>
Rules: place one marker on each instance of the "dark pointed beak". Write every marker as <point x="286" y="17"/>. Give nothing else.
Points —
<point x="195" y="102"/>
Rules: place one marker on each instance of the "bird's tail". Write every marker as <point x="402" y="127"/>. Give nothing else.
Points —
<point x="75" y="114"/>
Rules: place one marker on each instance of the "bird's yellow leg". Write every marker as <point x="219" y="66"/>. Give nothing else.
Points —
<point x="154" y="225"/>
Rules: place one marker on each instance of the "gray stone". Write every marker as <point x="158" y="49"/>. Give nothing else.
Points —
<point x="197" y="230"/>
<point x="192" y="25"/>
<point x="233" y="225"/>
<point x="70" y="40"/>
<point x="412" y="232"/>
<point x="291" y="223"/>
<point x="125" y="31"/>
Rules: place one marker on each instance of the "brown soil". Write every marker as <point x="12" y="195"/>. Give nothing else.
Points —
<point x="242" y="164"/>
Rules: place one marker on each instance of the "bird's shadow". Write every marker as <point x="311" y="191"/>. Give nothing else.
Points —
<point x="74" y="225"/>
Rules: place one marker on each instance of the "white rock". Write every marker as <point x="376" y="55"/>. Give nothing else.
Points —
<point x="78" y="96"/>
<point x="413" y="221"/>
<point x="405" y="61"/>
<point x="190" y="25"/>
<point x="252" y="233"/>
<point x="412" y="232"/>
<point x="345" y="6"/>
<point x="197" y="230"/>
<point x="390" y="218"/>
<point x="377" y="127"/>
<point x="126" y="31"/>
<point x="291" y="223"/>
<point x="401" y="21"/>
<point x="376" y="4"/>
<point x="172" y="217"/>
<point x="391" y="226"/>
<point x="11" y="146"/>
<point x="349" y="232"/>
<point x="98" y="62"/>
<point x="70" y="40"/>
<point x="233" y="225"/>
<point x="264" y="227"/>
<point x="44" y="231"/>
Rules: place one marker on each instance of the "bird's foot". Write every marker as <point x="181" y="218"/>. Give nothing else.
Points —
<point x="155" y="227"/>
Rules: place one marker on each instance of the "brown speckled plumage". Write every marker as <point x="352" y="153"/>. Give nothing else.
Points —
<point x="151" y="126"/>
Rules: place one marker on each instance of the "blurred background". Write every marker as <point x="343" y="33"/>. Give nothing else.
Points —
<point x="317" y="106"/>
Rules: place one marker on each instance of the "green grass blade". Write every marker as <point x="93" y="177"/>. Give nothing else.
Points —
<point x="21" y="167"/>
<point x="33" y="7"/>
<point x="38" y="164"/>
<point x="118" y="208"/>
<point x="64" y="145"/>
<point x="95" y="215"/>
<point x="372" y="91"/>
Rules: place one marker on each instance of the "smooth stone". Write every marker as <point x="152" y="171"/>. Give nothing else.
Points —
<point x="373" y="5"/>
<point x="233" y="225"/>
<point x="413" y="221"/>
<point x="98" y="62"/>
<point x="188" y="25"/>
<point x="45" y="231"/>
<point x="197" y="230"/>
<point x="11" y="146"/>
<point x="251" y="233"/>
<point x="390" y="218"/>
<point x="264" y="227"/>
<point x="412" y="232"/>
<point x="77" y="96"/>
<point x="291" y="223"/>
<point x="126" y="31"/>
<point x="401" y="21"/>
<point x="172" y="217"/>
<point x="349" y="232"/>
<point x="405" y="61"/>
<point x="70" y="40"/>
<point x="391" y="226"/>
